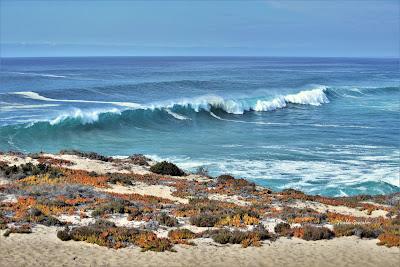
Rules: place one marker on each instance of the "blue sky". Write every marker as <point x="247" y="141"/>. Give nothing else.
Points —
<point x="242" y="28"/>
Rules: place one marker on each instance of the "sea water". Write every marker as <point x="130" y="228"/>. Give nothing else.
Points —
<point x="326" y="126"/>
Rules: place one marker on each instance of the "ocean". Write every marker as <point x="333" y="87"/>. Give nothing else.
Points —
<point x="327" y="126"/>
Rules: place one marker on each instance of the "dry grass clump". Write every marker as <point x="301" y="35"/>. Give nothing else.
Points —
<point x="209" y="213"/>
<point x="3" y="221"/>
<point x="351" y="202"/>
<point x="181" y="236"/>
<point x="360" y="230"/>
<point x="238" y="220"/>
<point x="165" y="219"/>
<point x="110" y="207"/>
<point x="387" y="231"/>
<point x="85" y="178"/>
<point x="190" y="188"/>
<point x="283" y="229"/>
<point x="245" y="238"/>
<point x="104" y="233"/>
<point x="296" y="215"/>
<point x="309" y="232"/>
<point x="54" y="161"/>
<point x="28" y="210"/>
<point x="334" y="218"/>
<point x="389" y="240"/>
<point x="205" y="220"/>
<point x="118" y="178"/>
<point x="24" y="229"/>
<point x="230" y="185"/>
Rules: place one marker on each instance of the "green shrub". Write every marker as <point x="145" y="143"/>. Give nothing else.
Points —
<point x="28" y="169"/>
<point x="166" y="168"/>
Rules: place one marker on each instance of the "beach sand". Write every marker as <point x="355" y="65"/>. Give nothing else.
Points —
<point x="43" y="248"/>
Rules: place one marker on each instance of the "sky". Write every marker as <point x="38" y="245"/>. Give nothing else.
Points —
<point x="200" y="28"/>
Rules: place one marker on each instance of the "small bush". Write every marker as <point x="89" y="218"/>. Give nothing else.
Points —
<point x="117" y="178"/>
<point x="139" y="159"/>
<point x="362" y="231"/>
<point x="167" y="220"/>
<point x="389" y="240"/>
<point x="3" y="221"/>
<point x="24" y="170"/>
<point x="64" y="234"/>
<point x="245" y="238"/>
<point x="205" y="220"/>
<point x="105" y="233"/>
<point x="166" y="168"/>
<point x="150" y="241"/>
<point x="115" y="206"/>
<point x="89" y="155"/>
<point x="48" y="221"/>
<point x="283" y="229"/>
<point x="309" y="232"/>
<point x="181" y="236"/>
<point x="24" y="229"/>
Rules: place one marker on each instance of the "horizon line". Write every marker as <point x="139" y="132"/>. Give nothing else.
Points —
<point x="203" y="56"/>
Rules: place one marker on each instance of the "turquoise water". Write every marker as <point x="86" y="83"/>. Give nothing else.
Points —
<point x="323" y="125"/>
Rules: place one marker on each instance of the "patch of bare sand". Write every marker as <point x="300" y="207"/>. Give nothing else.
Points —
<point x="338" y="209"/>
<point x="162" y="191"/>
<point x="17" y="160"/>
<point x="101" y="167"/>
<point x="43" y="248"/>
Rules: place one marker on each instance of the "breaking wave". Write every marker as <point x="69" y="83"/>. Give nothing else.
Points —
<point x="313" y="97"/>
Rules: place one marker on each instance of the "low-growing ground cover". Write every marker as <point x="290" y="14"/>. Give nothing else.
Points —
<point x="83" y="204"/>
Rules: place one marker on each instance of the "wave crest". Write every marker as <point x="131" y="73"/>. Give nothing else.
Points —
<point x="313" y="97"/>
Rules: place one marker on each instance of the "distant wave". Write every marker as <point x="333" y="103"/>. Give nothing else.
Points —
<point x="40" y="74"/>
<point x="10" y="107"/>
<point x="36" y="96"/>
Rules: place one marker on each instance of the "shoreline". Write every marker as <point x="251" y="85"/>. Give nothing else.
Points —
<point x="79" y="189"/>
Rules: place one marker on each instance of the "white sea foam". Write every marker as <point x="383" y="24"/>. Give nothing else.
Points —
<point x="87" y="116"/>
<point x="313" y="97"/>
<point x="40" y="74"/>
<point x="301" y="174"/>
<point x="176" y="115"/>
<point x="36" y="96"/>
<point x="22" y="106"/>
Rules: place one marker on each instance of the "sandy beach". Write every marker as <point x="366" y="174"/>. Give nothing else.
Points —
<point x="43" y="248"/>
